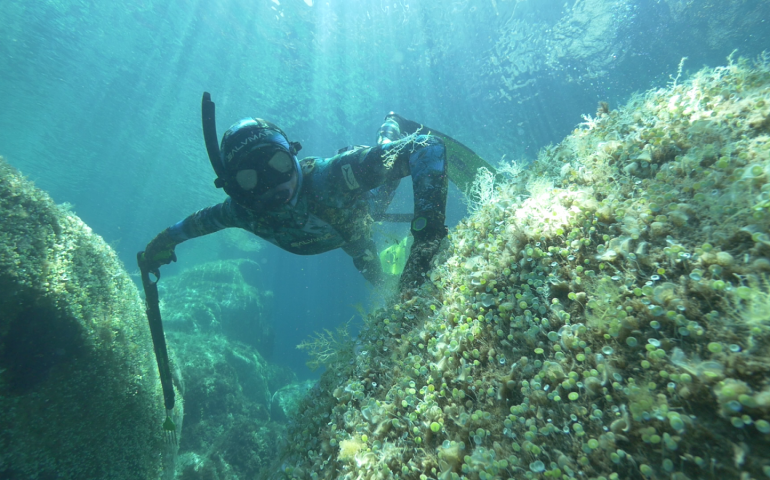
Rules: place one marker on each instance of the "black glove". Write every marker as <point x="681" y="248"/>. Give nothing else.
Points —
<point x="160" y="251"/>
<point x="426" y="244"/>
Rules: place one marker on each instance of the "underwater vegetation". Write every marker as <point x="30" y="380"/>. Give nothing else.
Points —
<point x="604" y="314"/>
<point x="80" y="395"/>
<point x="329" y="348"/>
<point x="236" y="402"/>
<point x="230" y="428"/>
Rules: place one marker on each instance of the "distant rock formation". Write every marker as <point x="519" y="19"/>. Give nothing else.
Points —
<point x="220" y="298"/>
<point x="237" y="402"/>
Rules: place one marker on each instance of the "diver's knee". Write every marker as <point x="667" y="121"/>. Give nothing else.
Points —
<point x="430" y="140"/>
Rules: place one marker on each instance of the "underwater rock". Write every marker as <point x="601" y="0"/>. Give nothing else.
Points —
<point x="241" y="451"/>
<point x="287" y="401"/>
<point x="229" y="388"/>
<point x="215" y="319"/>
<point x="219" y="298"/>
<point x="607" y="325"/>
<point x="80" y="395"/>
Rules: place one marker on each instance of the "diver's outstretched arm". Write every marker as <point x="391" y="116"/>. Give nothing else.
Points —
<point x="160" y="251"/>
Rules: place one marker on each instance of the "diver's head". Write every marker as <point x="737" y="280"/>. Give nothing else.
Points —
<point x="260" y="164"/>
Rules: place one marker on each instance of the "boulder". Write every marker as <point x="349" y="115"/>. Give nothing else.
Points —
<point x="80" y="395"/>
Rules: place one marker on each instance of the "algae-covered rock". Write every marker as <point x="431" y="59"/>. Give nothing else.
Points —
<point x="220" y="298"/>
<point x="215" y="319"/>
<point x="287" y="402"/>
<point x="229" y="429"/>
<point x="80" y="396"/>
<point x="602" y="315"/>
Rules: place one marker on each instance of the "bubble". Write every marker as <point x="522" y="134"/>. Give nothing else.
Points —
<point x="654" y="342"/>
<point x="607" y="350"/>
<point x="537" y="466"/>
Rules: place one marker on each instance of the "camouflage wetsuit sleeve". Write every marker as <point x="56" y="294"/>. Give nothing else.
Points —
<point x="207" y="220"/>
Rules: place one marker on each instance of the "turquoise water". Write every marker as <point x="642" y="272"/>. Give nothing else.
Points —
<point x="101" y="102"/>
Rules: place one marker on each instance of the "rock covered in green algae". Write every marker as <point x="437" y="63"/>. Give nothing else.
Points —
<point x="287" y="401"/>
<point x="603" y="317"/>
<point x="215" y="318"/>
<point x="79" y="390"/>
<point x="220" y="297"/>
<point x="230" y="428"/>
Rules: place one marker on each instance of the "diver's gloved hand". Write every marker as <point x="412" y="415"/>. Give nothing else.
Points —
<point x="427" y="241"/>
<point x="160" y="251"/>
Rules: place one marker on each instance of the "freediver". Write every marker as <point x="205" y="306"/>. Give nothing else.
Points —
<point x="315" y="205"/>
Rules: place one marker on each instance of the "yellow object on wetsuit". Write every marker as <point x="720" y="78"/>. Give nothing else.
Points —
<point x="393" y="258"/>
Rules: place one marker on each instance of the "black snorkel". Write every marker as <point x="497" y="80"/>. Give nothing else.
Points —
<point x="208" y="118"/>
<point x="225" y="179"/>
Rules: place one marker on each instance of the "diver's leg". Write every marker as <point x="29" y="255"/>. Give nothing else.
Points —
<point x="381" y="197"/>
<point x="427" y="166"/>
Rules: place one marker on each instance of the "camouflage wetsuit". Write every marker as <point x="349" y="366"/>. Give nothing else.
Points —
<point x="337" y="199"/>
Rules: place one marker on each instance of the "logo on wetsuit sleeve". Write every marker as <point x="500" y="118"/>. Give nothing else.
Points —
<point x="309" y="241"/>
<point x="350" y="179"/>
